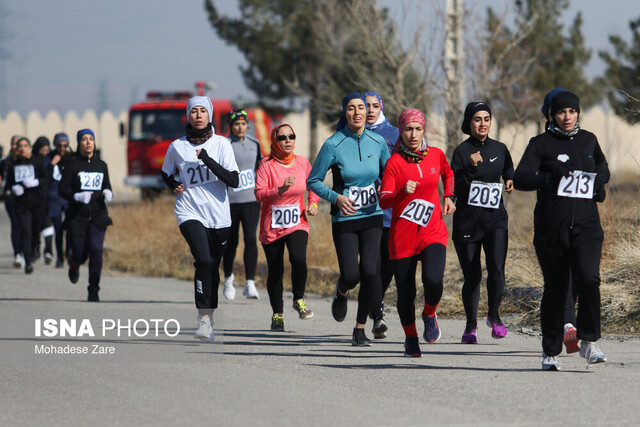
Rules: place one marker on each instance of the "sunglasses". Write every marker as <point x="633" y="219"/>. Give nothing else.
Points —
<point x="284" y="137"/>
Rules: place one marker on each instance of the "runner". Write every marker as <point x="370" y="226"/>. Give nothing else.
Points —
<point x="377" y="122"/>
<point x="356" y="157"/>
<point x="27" y="181"/>
<point x="280" y="186"/>
<point x="418" y="233"/>
<point x="57" y="205"/>
<point x="10" y="204"/>
<point x="481" y="220"/>
<point x="568" y="169"/>
<point x="244" y="207"/>
<point x="42" y="149"/>
<point x="206" y="167"/>
<point x="85" y="185"/>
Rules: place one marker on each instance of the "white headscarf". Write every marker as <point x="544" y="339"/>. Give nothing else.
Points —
<point x="200" y="101"/>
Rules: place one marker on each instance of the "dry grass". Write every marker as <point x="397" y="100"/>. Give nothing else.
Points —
<point x="146" y="240"/>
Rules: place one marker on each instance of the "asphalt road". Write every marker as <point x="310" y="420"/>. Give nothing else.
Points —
<point x="308" y="375"/>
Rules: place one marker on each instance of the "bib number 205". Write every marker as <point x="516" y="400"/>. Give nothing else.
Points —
<point x="285" y="216"/>
<point x="363" y="196"/>
<point x="578" y="185"/>
<point x="418" y="211"/>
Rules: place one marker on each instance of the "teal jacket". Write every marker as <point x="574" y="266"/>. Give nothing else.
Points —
<point x="355" y="161"/>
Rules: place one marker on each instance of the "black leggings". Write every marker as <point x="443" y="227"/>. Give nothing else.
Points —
<point x="495" y="251"/>
<point x="207" y="245"/>
<point x="88" y="246"/>
<point x="30" y="220"/>
<point x="350" y="244"/>
<point x="296" y="243"/>
<point x="386" y="274"/>
<point x="16" y="236"/>
<point x="583" y="264"/>
<point x="433" y="259"/>
<point x="249" y="215"/>
<point x="59" y="232"/>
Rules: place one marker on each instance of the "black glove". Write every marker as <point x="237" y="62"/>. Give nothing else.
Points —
<point x="203" y="155"/>
<point x="556" y="168"/>
<point x="599" y="193"/>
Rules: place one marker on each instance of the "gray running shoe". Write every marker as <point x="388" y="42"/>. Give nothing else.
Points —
<point x="590" y="351"/>
<point x="550" y="363"/>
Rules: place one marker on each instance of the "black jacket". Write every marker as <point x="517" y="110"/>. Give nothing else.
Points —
<point x="83" y="174"/>
<point x="32" y="196"/>
<point x="558" y="221"/>
<point x="471" y="222"/>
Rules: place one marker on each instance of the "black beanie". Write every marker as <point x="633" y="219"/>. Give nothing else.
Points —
<point x="42" y="141"/>
<point x="564" y="100"/>
<point x="469" y="112"/>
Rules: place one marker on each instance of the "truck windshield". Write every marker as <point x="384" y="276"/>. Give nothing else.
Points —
<point x="157" y="124"/>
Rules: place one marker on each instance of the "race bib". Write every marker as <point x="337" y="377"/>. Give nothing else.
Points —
<point x="91" y="181"/>
<point x="485" y="194"/>
<point x="57" y="175"/>
<point x="418" y="211"/>
<point x="285" y="216"/>
<point x="196" y="173"/>
<point x="22" y="172"/>
<point x="247" y="180"/>
<point x="363" y="196"/>
<point x="578" y="185"/>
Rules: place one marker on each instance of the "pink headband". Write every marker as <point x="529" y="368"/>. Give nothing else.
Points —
<point x="409" y="116"/>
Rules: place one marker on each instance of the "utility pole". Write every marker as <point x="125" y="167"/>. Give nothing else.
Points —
<point x="453" y="67"/>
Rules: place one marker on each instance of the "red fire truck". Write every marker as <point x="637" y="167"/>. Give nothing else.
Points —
<point x="159" y="120"/>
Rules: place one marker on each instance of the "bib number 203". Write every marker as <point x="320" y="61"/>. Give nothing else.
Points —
<point x="485" y="194"/>
<point x="418" y="211"/>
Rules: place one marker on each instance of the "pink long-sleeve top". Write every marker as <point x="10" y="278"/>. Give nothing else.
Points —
<point x="269" y="177"/>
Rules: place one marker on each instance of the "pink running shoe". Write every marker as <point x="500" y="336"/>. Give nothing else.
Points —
<point x="470" y="335"/>
<point x="498" y="330"/>
<point x="570" y="339"/>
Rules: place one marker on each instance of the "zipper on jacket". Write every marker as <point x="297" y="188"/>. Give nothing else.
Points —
<point x="359" y="153"/>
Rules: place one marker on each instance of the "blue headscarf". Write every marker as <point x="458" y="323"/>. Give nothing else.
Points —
<point x="80" y="134"/>
<point x="546" y="104"/>
<point x="59" y="137"/>
<point x="381" y="118"/>
<point x="343" y="118"/>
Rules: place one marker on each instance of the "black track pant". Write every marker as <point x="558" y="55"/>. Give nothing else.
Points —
<point x="386" y="274"/>
<point x="366" y="244"/>
<point x="495" y="251"/>
<point x="583" y="263"/>
<point x="16" y="236"/>
<point x="433" y="259"/>
<point x="296" y="243"/>
<point x="207" y="245"/>
<point x="59" y="233"/>
<point x="248" y="214"/>
<point x="30" y="220"/>
<point x="88" y="246"/>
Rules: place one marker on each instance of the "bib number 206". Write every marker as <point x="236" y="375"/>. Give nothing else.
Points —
<point x="285" y="216"/>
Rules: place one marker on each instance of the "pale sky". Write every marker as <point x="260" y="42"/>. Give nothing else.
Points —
<point x="61" y="52"/>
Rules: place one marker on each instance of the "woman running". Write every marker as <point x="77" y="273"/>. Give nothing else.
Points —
<point x="244" y="207"/>
<point x="418" y="233"/>
<point x="57" y="160"/>
<point x="27" y="181"/>
<point x="481" y="220"/>
<point x="567" y="168"/>
<point x="10" y="204"/>
<point x="356" y="157"/>
<point x="206" y="166"/>
<point x="378" y="123"/>
<point x="42" y="149"/>
<point x="280" y="186"/>
<point x="85" y="185"/>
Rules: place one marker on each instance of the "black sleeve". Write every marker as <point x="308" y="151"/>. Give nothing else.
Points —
<point x="527" y="176"/>
<point x="107" y="182"/>
<point x="64" y="188"/>
<point x="43" y="176"/>
<point x="507" y="171"/>
<point x="602" y="174"/>
<point x="170" y="181"/>
<point x="228" y="177"/>
<point x="258" y="156"/>
<point x="463" y="174"/>
<point x="11" y="179"/>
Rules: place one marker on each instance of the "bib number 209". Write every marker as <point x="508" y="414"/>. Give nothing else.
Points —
<point x="363" y="196"/>
<point x="285" y="216"/>
<point x="418" y="211"/>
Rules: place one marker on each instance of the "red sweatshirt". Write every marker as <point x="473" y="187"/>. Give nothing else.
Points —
<point x="271" y="175"/>
<point x="409" y="235"/>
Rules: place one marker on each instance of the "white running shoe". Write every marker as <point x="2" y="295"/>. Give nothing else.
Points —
<point x="550" y="363"/>
<point x="229" y="290"/>
<point x="250" y="290"/>
<point x="18" y="261"/>
<point x="590" y="351"/>
<point x="204" y="329"/>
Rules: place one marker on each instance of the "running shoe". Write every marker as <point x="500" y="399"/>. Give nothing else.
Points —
<point x="277" y="322"/>
<point x="204" y="330"/>
<point x="93" y="294"/>
<point x="470" y="335"/>
<point x="550" y="363"/>
<point x="250" y="290"/>
<point x="570" y="339"/>
<point x="339" y="306"/>
<point x="229" y="291"/>
<point x="380" y="328"/>
<point x="498" y="330"/>
<point x="48" y="257"/>
<point x="431" y="331"/>
<point x="590" y="351"/>
<point x="359" y="338"/>
<point x="300" y="305"/>
<point x="28" y="268"/>
<point x="18" y="261"/>
<point x="412" y="347"/>
<point x="74" y="274"/>
<point x="59" y="263"/>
